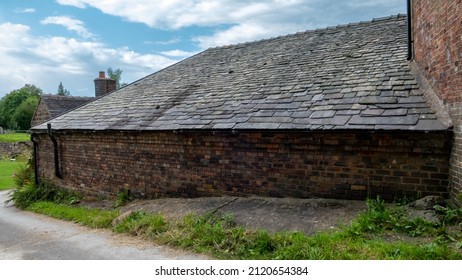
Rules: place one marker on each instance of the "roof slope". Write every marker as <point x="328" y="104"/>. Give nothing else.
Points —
<point x="354" y="76"/>
<point x="58" y="104"/>
<point x="52" y="106"/>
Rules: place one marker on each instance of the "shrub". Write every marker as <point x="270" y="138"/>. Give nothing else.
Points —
<point x="27" y="194"/>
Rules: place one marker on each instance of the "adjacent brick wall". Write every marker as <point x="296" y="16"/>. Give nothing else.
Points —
<point x="437" y="29"/>
<point x="456" y="155"/>
<point x="437" y="35"/>
<point x="300" y="164"/>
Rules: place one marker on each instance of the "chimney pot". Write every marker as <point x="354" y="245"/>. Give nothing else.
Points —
<point x="102" y="75"/>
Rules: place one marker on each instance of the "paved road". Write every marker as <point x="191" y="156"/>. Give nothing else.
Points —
<point x="29" y="236"/>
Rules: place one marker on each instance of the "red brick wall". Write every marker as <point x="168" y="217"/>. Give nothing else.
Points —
<point x="299" y="164"/>
<point x="437" y="35"/>
<point x="456" y="163"/>
<point x="437" y="31"/>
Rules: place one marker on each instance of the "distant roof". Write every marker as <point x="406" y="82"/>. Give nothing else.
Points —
<point x="59" y="104"/>
<point x="353" y="76"/>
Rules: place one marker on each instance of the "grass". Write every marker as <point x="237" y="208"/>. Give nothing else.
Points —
<point x="222" y="238"/>
<point x="14" y="137"/>
<point x="367" y="237"/>
<point x="93" y="218"/>
<point x="7" y="170"/>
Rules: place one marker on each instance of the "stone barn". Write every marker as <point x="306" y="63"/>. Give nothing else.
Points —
<point x="339" y="112"/>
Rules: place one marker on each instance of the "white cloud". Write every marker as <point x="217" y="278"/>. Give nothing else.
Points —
<point x="241" y="20"/>
<point x="70" y="24"/>
<point x="171" y="41"/>
<point x="75" y="3"/>
<point x="46" y="61"/>
<point x="178" y="53"/>
<point x="242" y="33"/>
<point x="25" y="11"/>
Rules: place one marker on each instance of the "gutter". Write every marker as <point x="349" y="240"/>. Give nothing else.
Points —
<point x="55" y="151"/>
<point x="409" y="30"/>
<point x="35" y="158"/>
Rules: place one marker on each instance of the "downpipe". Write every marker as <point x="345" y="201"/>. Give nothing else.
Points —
<point x="35" y="144"/>
<point x="55" y="151"/>
<point x="409" y="30"/>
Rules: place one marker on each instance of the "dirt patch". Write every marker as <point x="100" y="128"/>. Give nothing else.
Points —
<point x="272" y="214"/>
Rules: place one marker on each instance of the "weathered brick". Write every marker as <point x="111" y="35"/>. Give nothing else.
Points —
<point x="436" y="29"/>
<point x="301" y="164"/>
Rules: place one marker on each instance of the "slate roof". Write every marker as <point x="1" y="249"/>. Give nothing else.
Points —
<point x="353" y="76"/>
<point x="58" y="104"/>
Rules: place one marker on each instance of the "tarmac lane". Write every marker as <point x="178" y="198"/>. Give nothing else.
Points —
<point x="29" y="236"/>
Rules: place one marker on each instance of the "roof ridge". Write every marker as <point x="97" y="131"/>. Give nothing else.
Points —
<point x="65" y="96"/>
<point x="327" y="28"/>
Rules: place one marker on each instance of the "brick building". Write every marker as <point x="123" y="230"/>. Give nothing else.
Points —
<point x="337" y="112"/>
<point x="51" y="106"/>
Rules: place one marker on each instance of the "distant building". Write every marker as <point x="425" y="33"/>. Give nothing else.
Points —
<point x="51" y="106"/>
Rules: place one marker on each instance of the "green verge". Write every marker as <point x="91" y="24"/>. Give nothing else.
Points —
<point x="94" y="218"/>
<point x="14" y="137"/>
<point x="222" y="238"/>
<point x="8" y="169"/>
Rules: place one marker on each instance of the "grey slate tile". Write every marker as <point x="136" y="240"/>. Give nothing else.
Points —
<point x="404" y="120"/>
<point x="377" y="100"/>
<point x="322" y="114"/>
<point x="320" y="79"/>
<point x="395" y="112"/>
<point x="430" y="125"/>
<point x="372" y="112"/>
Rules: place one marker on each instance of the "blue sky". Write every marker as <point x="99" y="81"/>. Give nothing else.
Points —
<point x="45" y="42"/>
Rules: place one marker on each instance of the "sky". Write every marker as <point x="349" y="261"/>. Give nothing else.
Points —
<point x="45" y="42"/>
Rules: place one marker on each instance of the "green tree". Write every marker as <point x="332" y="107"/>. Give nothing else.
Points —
<point x="12" y="101"/>
<point x="22" y="116"/>
<point x="117" y="76"/>
<point x="62" y="90"/>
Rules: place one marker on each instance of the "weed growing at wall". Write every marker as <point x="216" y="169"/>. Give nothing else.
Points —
<point x="27" y="192"/>
<point x="380" y="218"/>
<point x="30" y="193"/>
<point x="122" y="198"/>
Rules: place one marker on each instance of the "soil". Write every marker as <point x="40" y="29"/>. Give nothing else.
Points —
<point x="272" y="214"/>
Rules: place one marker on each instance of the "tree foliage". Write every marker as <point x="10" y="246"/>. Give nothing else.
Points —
<point x="62" y="90"/>
<point x="14" y="114"/>
<point x="22" y="116"/>
<point x="117" y="76"/>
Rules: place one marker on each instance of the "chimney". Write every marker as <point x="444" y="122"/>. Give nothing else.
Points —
<point x="104" y="85"/>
